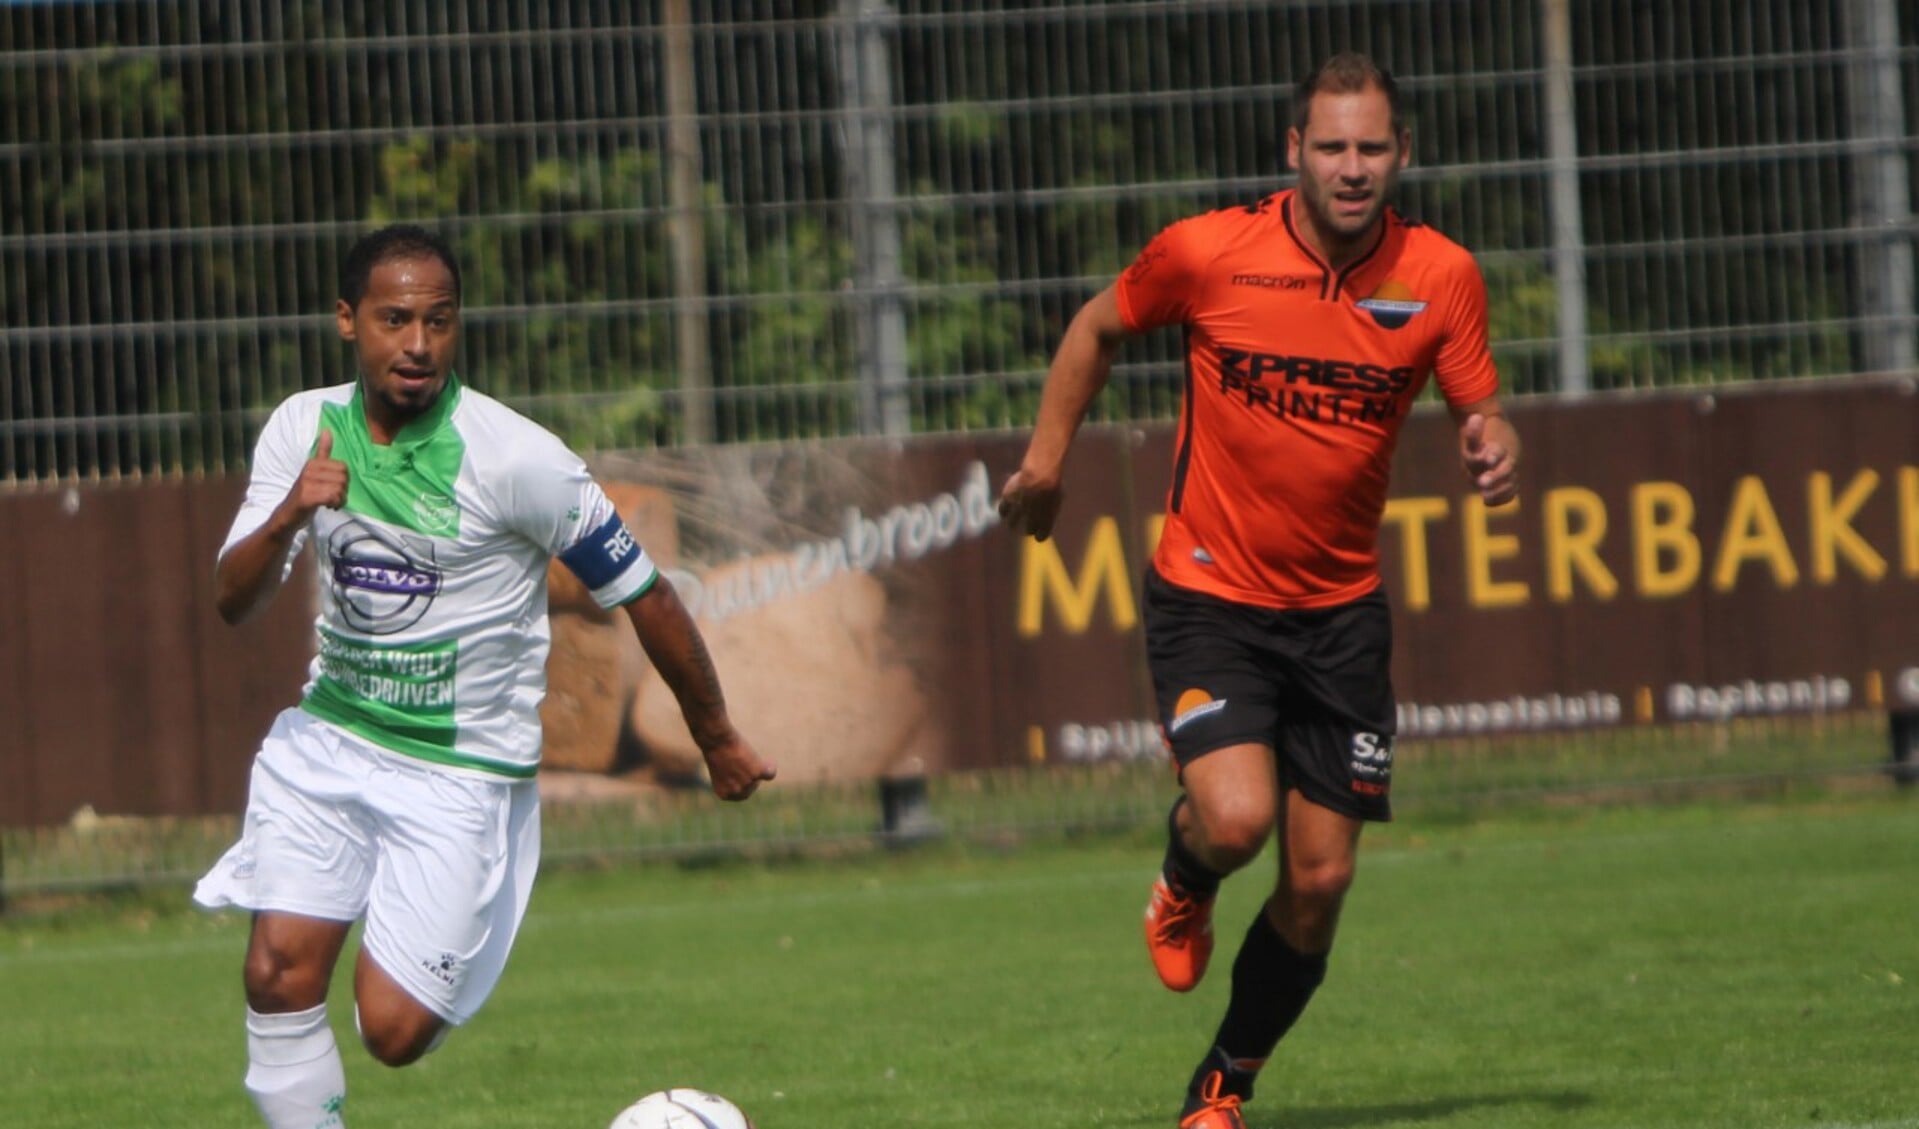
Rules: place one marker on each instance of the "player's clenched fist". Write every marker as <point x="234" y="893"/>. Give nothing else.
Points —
<point x="737" y="769"/>
<point x="322" y="482"/>
<point x="1030" y="504"/>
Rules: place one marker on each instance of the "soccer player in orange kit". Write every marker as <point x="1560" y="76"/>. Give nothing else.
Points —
<point x="1312" y="320"/>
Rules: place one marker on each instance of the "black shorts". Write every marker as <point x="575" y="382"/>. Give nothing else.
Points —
<point x="1314" y="685"/>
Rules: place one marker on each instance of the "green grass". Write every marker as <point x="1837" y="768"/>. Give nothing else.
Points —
<point x="1740" y="965"/>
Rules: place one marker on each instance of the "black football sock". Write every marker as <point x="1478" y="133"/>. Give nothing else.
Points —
<point x="1182" y="868"/>
<point x="1272" y="983"/>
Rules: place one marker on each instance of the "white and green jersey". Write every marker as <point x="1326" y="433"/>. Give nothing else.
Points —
<point x="432" y="630"/>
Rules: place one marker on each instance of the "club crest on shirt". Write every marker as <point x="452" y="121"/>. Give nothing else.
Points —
<point x="436" y="512"/>
<point x="1391" y="305"/>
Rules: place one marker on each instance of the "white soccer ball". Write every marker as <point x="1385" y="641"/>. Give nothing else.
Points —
<point x="681" y="1109"/>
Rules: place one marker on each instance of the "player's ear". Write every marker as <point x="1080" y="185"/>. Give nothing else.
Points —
<point x="1292" y="148"/>
<point x="343" y="317"/>
<point x="1405" y="147"/>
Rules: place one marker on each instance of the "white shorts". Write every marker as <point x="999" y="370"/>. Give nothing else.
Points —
<point x="439" y="862"/>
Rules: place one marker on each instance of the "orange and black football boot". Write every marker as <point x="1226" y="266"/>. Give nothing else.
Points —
<point x="1213" y="1107"/>
<point x="1179" y="933"/>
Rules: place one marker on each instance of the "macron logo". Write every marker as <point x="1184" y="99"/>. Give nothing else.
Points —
<point x="1273" y="281"/>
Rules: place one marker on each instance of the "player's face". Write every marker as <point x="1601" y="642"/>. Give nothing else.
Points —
<point x="1348" y="157"/>
<point x="405" y="330"/>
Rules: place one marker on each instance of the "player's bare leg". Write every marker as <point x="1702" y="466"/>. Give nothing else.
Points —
<point x="294" y="1071"/>
<point x="1315" y="871"/>
<point x="396" y="1028"/>
<point x="1219" y="826"/>
<point x="1230" y="805"/>
<point x="1282" y="960"/>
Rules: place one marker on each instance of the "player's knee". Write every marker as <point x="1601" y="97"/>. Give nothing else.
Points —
<point x="277" y="983"/>
<point x="1236" y="832"/>
<point x="392" y="1052"/>
<point x="399" y="1038"/>
<point x="396" y="1046"/>
<point x="1322" y="883"/>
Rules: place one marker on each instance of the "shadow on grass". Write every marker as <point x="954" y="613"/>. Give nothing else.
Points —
<point x="1281" y="1116"/>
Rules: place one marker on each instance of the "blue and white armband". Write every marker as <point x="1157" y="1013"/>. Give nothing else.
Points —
<point x="611" y="564"/>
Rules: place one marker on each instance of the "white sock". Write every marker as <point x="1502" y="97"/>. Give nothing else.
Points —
<point x="294" y="1071"/>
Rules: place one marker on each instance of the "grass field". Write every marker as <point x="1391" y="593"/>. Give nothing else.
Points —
<point x="1739" y="964"/>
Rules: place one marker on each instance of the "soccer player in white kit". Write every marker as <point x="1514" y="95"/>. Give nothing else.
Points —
<point x="402" y="788"/>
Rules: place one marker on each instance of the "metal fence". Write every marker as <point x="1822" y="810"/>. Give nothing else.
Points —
<point x="742" y="219"/>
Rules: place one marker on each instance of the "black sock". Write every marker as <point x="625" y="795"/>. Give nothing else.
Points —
<point x="1272" y="983"/>
<point x="1182" y="867"/>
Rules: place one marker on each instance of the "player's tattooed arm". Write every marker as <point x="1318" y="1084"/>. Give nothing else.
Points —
<point x="673" y="644"/>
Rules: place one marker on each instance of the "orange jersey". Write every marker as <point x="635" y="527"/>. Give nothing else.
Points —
<point x="1297" y="380"/>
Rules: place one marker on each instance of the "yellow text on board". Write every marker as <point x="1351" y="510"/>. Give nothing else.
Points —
<point x="1671" y="548"/>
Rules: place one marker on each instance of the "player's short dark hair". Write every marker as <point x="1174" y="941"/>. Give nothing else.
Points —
<point x="394" y="241"/>
<point x="1348" y="72"/>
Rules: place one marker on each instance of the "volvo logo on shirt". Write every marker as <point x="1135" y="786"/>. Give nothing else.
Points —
<point x="382" y="581"/>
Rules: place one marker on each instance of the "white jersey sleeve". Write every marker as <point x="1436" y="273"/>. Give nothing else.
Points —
<point x="555" y="503"/>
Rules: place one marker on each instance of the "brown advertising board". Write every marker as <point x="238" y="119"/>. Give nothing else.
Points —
<point x="1673" y="557"/>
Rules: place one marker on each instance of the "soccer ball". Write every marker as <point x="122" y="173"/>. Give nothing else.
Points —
<point x="681" y="1109"/>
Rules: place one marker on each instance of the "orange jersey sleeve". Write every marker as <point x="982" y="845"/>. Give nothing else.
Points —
<point x="1163" y="284"/>
<point x="1464" y="367"/>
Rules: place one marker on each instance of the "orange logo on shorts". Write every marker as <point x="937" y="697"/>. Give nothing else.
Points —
<point x="1193" y="705"/>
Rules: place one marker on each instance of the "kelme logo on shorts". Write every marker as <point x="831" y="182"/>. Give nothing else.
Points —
<point x="445" y="968"/>
<point x="1193" y="705"/>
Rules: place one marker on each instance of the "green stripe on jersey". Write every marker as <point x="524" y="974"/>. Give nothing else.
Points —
<point x="409" y="482"/>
